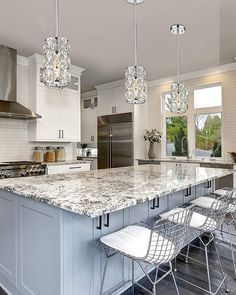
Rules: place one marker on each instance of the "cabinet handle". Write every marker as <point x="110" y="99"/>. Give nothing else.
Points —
<point x="158" y="203"/>
<point x="62" y="131"/>
<point x="77" y="167"/>
<point x="190" y="190"/>
<point x="107" y="223"/>
<point x="99" y="225"/>
<point x="59" y="133"/>
<point x="153" y="204"/>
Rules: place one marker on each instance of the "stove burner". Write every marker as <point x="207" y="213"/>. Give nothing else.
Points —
<point x="14" y="169"/>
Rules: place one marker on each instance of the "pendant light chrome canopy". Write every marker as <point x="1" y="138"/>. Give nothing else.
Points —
<point x="135" y="76"/>
<point x="56" y="57"/>
<point x="177" y="103"/>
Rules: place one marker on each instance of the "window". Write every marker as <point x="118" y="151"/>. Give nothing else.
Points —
<point x="208" y="135"/>
<point x="208" y="97"/>
<point x="176" y="136"/>
<point x="198" y="132"/>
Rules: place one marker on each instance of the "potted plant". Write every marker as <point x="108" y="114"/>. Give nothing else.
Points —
<point x="152" y="136"/>
<point x="83" y="147"/>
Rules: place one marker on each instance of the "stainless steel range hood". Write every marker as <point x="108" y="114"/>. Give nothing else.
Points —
<point x="9" y="107"/>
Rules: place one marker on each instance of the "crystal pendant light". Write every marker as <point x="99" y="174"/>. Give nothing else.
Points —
<point x="177" y="102"/>
<point x="56" y="64"/>
<point x="135" y="76"/>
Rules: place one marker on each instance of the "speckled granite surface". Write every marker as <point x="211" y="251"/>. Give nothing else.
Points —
<point x="98" y="192"/>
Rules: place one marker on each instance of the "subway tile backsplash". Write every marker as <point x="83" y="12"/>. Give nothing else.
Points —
<point x="14" y="144"/>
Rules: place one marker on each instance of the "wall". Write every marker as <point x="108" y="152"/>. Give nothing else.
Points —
<point x="228" y="80"/>
<point x="149" y="115"/>
<point x="14" y="145"/>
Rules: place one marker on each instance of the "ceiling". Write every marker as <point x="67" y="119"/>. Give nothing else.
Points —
<point x="101" y="34"/>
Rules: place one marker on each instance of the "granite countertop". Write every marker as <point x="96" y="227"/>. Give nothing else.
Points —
<point x="99" y="192"/>
<point x="193" y="161"/>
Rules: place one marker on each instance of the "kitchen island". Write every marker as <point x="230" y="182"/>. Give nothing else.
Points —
<point x="49" y="224"/>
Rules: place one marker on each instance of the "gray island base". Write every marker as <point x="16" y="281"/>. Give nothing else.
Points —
<point x="49" y="224"/>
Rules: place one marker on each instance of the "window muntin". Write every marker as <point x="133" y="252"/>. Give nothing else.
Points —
<point x="208" y="135"/>
<point x="208" y="97"/>
<point x="176" y="136"/>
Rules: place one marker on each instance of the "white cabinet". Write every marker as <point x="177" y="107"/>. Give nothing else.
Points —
<point x="68" y="168"/>
<point x="89" y="126"/>
<point x="70" y="116"/>
<point x="59" y="108"/>
<point x="112" y="101"/>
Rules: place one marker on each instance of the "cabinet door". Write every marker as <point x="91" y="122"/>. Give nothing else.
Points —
<point x="48" y="108"/>
<point x="86" y="126"/>
<point x="8" y="245"/>
<point x="89" y="126"/>
<point x="115" y="275"/>
<point x="121" y="105"/>
<point x="70" y="116"/>
<point x="106" y="101"/>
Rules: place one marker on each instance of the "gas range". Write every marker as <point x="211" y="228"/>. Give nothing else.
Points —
<point x="21" y="169"/>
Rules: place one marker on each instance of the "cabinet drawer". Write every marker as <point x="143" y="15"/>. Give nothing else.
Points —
<point x="73" y="168"/>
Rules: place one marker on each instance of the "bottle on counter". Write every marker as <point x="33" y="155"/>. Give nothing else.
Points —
<point x="50" y="154"/>
<point x="38" y="154"/>
<point x="60" y="154"/>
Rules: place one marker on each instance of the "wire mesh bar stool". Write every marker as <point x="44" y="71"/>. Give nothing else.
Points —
<point x="229" y="217"/>
<point x="155" y="246"/>
<point x="206" y="221"/>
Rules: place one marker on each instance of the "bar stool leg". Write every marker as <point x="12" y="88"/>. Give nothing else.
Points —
<point x="221" y="268"/>
<point x="132" y="277"/>
<point x="187" y="254"/>
<point x="173" y="277"/>
<point x="175" y="264"/>
<point x="103" y="275"/>
<point x="208" y="269"/>
<point x="232" y="250"/>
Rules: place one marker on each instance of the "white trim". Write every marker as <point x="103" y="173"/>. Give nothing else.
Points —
<point x="191" y="115"/>
<point x="22" y="60"/>
<point x="89" y="93"/>
<point x="110" y="85"/>
<point x="168" y="80"/>
<point x="197" y="74"/>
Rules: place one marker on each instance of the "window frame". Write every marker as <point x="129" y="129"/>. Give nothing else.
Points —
<point x="191" y="115"/>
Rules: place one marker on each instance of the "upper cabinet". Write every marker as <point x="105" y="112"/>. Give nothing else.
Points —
<point x="112" y="101"/>
<point x="59" y="108"/>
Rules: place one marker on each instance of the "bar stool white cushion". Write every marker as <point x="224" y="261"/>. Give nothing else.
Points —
<point x="224" y="191"/>
<point x="206" y="202"/>
<point x="221" y="192"/>
<point x="134" y="241"/>
<point x="198" y="221"/>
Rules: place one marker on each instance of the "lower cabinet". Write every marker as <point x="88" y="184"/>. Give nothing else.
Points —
<point x="47" y="250"/>
<point x="29" y="247"/>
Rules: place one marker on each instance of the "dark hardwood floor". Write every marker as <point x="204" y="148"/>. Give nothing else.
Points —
<point x="194" y="272"/>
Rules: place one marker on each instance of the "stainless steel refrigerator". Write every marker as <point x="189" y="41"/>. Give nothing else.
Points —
<point x="115" y="140"/>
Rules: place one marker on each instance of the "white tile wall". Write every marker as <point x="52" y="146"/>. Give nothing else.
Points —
<point x="14" y="143"/>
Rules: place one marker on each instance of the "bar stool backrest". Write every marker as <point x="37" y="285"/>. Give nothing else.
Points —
<point x="168" y="235"/>
<point x="216" y="213"/>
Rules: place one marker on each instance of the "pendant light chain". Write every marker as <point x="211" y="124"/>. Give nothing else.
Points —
<point x="135" y="76"/>
<point x="178" y="57"/>
<point x="56" y="18"/>
<point x="135" y="35"/>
